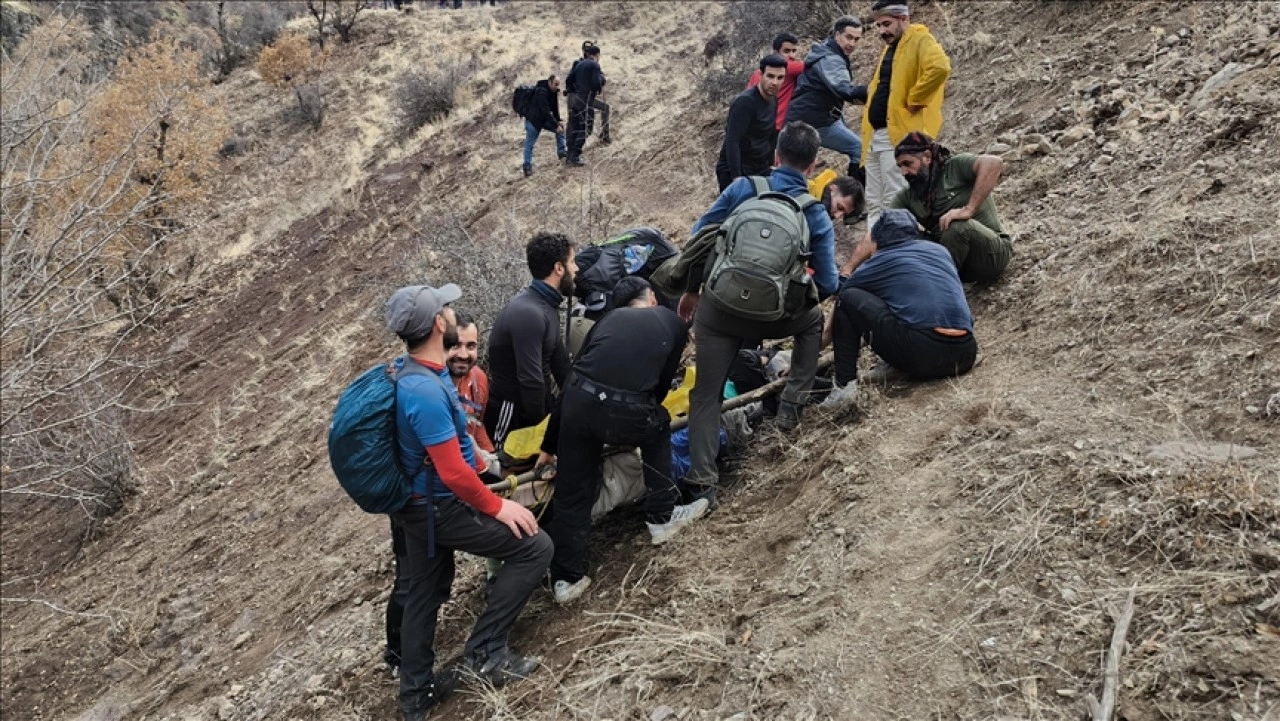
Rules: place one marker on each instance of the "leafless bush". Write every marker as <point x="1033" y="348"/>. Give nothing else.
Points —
<point x="310" y="104"/>
<point x="489" y="270"/>
<point x="338" y="14"/>
<point x="423" y="96"/>
<point x="242" y="28"/>
<point x="97" y="182"/>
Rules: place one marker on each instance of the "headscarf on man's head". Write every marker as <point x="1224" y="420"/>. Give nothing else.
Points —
<point x="917" y="143"/>
<point x="894" y="8"/>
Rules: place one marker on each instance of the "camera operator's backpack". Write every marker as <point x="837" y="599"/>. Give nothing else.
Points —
<point x="522" y="98"/>
<point x="762" y="255"/>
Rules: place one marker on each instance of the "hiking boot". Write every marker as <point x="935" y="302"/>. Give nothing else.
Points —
<point x="883" y="373"/>
<point x="565" y="592"/>
<point x="441" y="687"/>
<point x="605" y="140"/>
<point x="502" y="666"/>
<point x="788" y="418"/>
<point x="562" y="156"/>
<point x="841" y="395"/>
<point x="528" y="169"/>
<point x="576" y="162"/>
<point x="681" y="516"/>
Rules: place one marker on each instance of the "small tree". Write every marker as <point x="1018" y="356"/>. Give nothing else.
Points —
<point x="290" y="62"/>
<point x="339" y="14"/>
<point x="98" y="178"/>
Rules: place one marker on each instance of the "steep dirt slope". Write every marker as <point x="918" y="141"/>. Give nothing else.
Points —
<point x="951" y="552"/>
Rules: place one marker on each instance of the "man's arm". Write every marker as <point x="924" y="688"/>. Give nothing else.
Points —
<point x="755" y="79"/>
<point x="679" y="337"/>
<point x="835" y="75"/>
<point x="865" y="248"/>
<point x="526" y="343"/>
<point x="822" y="246"/>
<point x="545" y="101"/>
<point x="986" y="173"/>
<point x="935" y="68"/>
<point x="467" y="486"/>
<point x="734" y="130"/>
<point x="733" y="196"/>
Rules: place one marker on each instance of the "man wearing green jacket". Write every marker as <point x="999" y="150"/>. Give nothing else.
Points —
<point x="905" y="95"/>
<point x="950" y="195"/>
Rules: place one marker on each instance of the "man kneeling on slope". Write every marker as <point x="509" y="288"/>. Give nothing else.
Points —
<point x="905" y="299"/>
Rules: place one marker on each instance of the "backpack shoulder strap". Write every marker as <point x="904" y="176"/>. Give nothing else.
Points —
<point x="805" y="201"/>
<point x="760" y="185"/>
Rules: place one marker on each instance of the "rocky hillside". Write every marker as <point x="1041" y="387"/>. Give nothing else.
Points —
<point x="954" y="550"/>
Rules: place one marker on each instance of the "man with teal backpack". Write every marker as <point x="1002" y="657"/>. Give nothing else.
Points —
<point x="757" y="284"/>
<point x="443" y="506"/>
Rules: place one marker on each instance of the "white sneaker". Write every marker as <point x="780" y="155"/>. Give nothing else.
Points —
<point x="840" y="396"/>
<point x="565" y="592"/>
<point x="681" y="516"/>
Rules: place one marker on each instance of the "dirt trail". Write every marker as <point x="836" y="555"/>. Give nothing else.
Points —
<point x="950" y="552"/>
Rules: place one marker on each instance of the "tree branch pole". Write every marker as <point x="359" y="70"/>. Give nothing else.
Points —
<point x="1111" y="670"/>
<point x="676" y="424"/>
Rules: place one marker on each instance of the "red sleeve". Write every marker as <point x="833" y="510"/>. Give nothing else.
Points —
<point x="461" y="479"/>
<point x="755" y="78"/>
<point x="794" y="68"/>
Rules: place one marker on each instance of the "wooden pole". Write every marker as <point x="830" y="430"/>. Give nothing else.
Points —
<point x="511" y="483"/>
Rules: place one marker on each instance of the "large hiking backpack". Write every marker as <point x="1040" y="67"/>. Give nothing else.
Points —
<point x="759" y="272"/>
<point x="522" y="98"/>
<point x="363" y="447"/>
<point x="638" y="251"/>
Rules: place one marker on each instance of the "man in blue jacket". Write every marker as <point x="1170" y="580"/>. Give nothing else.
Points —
<point x="543" y="114"/>
<point x="904" y="298"/>
<point x="825" y="86"/>
<point x="719" y="335"/>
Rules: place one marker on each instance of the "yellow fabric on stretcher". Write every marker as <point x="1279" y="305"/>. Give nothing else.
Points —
<point x="677" y="401"/>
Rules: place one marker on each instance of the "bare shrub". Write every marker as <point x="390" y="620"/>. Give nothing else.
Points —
<point x="242" y="28"/>
<point x="310" y="104"/>
<point x="291" y="62"/>
<point x="489" y="270"/>
<point x="98" y="179"/>
<point x="338" y="14"/>
<point x="423" y="96"/>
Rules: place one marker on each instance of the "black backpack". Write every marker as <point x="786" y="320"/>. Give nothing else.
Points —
<point x="638" y="251"/>
<point x="522" y="98"/>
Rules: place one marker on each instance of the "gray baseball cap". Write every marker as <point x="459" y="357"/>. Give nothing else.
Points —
<point x="413" y="309"/>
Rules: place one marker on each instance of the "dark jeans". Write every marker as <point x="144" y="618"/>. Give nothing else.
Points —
<point x="586" y="425"/>
<point x="581" y="119"/>
<point x="919" y="353"/>
<point x="427" y="582"/>
<point x="395" y="602"/>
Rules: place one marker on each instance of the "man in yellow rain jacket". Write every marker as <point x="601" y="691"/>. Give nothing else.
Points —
<point x="905" y="95"/>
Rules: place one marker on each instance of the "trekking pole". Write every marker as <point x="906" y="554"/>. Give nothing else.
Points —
<point x="510" y="483"/>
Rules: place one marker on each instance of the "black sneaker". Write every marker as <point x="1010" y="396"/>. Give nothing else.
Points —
<point x="528" y="170"/>
<point x="562" y="156"/>
<point x="788" y="416"/>
<point x="606" y="140"/>
<point x="576" y="162"/>
<point x="502" y="667"/>
<point x="442" y="686"/>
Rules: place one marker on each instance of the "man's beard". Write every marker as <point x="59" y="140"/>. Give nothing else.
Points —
<point x="919" y="184"/>
<point x="566" y="285"/>
<point x="459" y="367"/>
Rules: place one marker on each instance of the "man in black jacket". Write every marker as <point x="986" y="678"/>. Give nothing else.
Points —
<point x="583" y="85"/>
<point x="751" y="130"/>
<point x="615" y="395"/>
<point x="527" y="357"/>
<point x="543" y="114"/>
<point x="826" y="85"/>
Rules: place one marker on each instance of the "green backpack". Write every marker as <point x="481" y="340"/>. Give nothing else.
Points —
<point x="760" y="271"/>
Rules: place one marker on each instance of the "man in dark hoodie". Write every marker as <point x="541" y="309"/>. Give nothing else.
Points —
<point x="904" y="298"/>
<point x="543" y="114"/>
<point x="526" y="348"/>
<point x="583" y="85"/>
<point x="825" y="86"/>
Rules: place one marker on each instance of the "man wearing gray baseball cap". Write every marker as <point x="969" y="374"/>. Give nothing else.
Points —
<point x="451" y="510"/>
